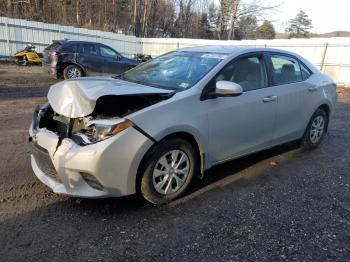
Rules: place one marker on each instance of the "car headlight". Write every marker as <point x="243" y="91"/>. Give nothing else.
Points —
<point x="99" y="130"/>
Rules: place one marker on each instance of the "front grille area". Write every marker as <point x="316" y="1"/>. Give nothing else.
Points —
<point x="43" y="161"/>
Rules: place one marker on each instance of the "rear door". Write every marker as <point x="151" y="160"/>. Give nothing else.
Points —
<point x="295" y="96"/>
<point x="89" y="58"/>
<point x="112" y="62"/>
<point x="245" y="123"/>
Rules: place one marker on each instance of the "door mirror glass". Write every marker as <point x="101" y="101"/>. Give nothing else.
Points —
<point x="227" y="88"/>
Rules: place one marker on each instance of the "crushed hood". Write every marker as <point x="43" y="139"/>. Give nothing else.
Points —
<point x="77" y="98"/>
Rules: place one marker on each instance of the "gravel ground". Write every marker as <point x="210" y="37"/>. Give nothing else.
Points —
<point x="280" y="204"/>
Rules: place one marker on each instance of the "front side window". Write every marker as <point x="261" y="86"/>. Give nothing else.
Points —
<point x="248" y="72"/>
<point x="285" y="69"/>
<point x="177" y="70"/>
<point x="108" y="52"/>
<point x="88" y="49"/>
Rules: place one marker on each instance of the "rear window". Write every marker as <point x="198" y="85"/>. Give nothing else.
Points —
<point x="55" y="45"/>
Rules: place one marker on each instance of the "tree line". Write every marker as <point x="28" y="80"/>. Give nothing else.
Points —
<point x="206" y="19"/>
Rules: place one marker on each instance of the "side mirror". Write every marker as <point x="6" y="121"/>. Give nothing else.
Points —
<point x="227" y="88"/>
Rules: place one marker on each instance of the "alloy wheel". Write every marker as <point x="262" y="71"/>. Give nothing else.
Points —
<point x="73" y="72"/>
<point x="317" y="129"/>
<point x="170" y="172"/>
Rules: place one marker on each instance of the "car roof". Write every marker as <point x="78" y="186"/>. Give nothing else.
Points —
<point x="66" y="41"/>
<point x="230" y="49"/>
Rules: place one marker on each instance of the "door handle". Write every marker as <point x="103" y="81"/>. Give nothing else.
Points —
<point x="313" y="88"/>
<point x="269" y="99"/>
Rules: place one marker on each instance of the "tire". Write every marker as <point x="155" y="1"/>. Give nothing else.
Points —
<point x="23" y="61"/>
<point x="315" y="130"/>
<point x="159" y="184"/>
<point x="72" y="71"/>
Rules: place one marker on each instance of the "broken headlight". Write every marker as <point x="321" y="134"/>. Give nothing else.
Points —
<point x="98" y="130"/>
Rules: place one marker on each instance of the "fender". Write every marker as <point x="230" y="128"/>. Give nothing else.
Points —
<point x="199" y="139"/>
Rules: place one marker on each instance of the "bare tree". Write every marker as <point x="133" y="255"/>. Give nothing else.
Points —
<point x="144" y="18"/>
<point x="241" y="9"/>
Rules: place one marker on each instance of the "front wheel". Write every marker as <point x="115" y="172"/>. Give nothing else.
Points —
<point x="315" y="130"/>
<point x="22" y="61"/>
<point x="168" y="170"/>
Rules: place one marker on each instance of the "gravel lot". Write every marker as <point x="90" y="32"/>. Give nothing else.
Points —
<point x="280" y="204"/>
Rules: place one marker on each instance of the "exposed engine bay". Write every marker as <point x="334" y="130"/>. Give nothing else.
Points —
<point x="106" y="120"/>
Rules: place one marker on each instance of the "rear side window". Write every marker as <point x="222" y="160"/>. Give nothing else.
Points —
<point x="249" y="72"/>
<point x="70" y="48"/>
<point x="285" y="69"/>
<point x="88" y="49"/>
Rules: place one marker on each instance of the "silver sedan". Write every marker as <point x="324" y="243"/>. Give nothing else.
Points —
<point x="154" y="128"/>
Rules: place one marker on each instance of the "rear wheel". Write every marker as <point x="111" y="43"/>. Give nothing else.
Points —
<point x="315" y="130"/>
<point x="168" y="171"/>
<point x="72" y="71"/>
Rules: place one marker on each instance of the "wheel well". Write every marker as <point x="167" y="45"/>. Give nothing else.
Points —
<point x="189" y="138"/>
<point x="326" y="109"/>
<point x="186" y="136"/>
<point x="68" y="64"/>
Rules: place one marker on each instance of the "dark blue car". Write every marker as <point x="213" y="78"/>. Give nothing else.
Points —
<point x="71" y="59"/>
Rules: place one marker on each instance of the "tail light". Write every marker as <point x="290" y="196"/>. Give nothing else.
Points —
<point x="53" y="53"/>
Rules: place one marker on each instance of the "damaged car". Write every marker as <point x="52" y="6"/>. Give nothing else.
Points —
<point x="152" y="129"/>
<point x="71" y="59"/>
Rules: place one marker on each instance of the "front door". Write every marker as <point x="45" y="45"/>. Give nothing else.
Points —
<point x="245" y="123"/>
<point x="113" y="64"/>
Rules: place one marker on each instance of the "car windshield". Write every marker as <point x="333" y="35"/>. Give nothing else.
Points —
<point x="175" y="70"/>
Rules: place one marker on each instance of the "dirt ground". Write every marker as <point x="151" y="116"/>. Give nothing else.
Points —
<point x="280" y="204"/>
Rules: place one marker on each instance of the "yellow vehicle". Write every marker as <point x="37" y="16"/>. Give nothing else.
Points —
<point x="27" y="55"/>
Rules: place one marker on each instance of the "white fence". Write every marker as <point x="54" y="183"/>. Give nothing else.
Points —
<point x="16" y="33"/>
<point x="331" y="55"/>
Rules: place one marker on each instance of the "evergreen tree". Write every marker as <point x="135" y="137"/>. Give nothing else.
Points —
<point x="213" y="19"/>
<point x="299" y="26"/>
<point x="266" y="30"/>
<point x="247" y="27"/>
<point x="204" y="27"/>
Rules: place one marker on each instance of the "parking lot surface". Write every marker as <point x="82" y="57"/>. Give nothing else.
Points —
<point x="280" y="204"/>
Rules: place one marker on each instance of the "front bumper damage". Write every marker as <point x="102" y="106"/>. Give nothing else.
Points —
<point x="103" y="169"/>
